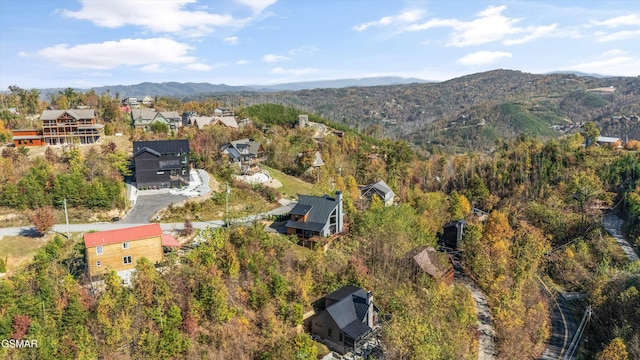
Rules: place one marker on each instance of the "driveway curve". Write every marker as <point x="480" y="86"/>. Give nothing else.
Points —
<point x="613" y="224"/>
<point x="486" y="332"/>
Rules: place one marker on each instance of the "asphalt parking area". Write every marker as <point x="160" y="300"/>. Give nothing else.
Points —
<point x="148" y="204"/>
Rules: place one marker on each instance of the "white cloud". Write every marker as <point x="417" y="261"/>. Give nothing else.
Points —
<point x="233" y="40"/>
<point x="620" y="35"/>
<point x="407" y="17"/>
<point x="482" y="58"/>
<point x="151" y="68"/>
<point x="242" y="62"/>
<point x="533" y="34"/>
<point x="198" y="67"/>
<point x="296" y="72"/>
<point x="159" y="16"/>
<point x="272" y="58"/>
<point x="615" y="66"/>
<point x="626" y="20"/>
<point x="149" y="53"/>
<point x="257" y="5"/>
<point x="489" y="25"/>
<point x="306" y="49"/>
<point x="614" y="52"/>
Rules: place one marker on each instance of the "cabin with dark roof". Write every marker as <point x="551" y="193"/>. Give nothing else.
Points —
<point x="344" y="318"/>
<point x="451" y="235"/>
<point x="161" y="164"/>
<point x="315" y="217"/>
<point x="379" y="189"/>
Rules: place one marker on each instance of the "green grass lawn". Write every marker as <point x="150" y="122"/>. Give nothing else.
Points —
<point x="291" y="186"/>
<point x="19" y="250"/>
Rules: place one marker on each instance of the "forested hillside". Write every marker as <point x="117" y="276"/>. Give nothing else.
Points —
<point x="470" y="112"/>
<point x="243" y="292"/>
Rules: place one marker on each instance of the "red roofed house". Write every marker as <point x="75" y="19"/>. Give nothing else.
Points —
<point x="120" y="249"/>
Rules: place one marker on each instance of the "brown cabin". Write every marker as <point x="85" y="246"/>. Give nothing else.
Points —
<point x="27" y="138"/>
<point x="436" y="264"/>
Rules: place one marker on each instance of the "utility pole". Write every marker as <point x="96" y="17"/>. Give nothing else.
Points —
<point x="226" y="208"/>
<point x="66" y="217"/>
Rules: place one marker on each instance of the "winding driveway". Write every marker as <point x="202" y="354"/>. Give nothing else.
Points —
<point x="486" y="341"/>
<point x="613" y="224"/>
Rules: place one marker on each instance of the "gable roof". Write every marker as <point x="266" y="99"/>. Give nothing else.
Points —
<point x="75" y="113"/>
<point x="246" y="146"/>
<point x="606" y="139"/>
<point x="201" y="121"/>
<point x="318" y="160"/>
<point x="171" y="115"/>
<point x="143" y="114"/>
<point x="319" y="209"/>
<point x="146" y="149"/>
<point x="380" y="187"/>
<point x="430" y="261"/>
<point x="348" y="310"/>
<point x="121" y="235"/>
<point x="228" y="121"/>
<point x="163" y="146"/>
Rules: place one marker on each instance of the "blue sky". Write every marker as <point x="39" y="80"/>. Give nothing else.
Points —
<point x="85" y="43"/>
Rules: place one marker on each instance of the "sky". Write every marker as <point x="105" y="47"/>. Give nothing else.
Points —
<point x="86" y="43"/>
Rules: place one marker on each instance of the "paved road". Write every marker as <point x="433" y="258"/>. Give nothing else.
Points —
<point x="564" y="328"/>
<point x="103" y="226"/>
<point x="486" y="346"/>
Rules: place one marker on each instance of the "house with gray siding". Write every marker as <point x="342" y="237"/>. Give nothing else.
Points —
<point x="379" y="189"/>
<point x="315" y="217"/>
<point x="343" y="319"/>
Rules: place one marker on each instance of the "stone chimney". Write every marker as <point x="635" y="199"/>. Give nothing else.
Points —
<point x="339" y="217"/>
<point x="370" y="314"/>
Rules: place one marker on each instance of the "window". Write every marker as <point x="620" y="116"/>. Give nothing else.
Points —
<point x="99" y="250"/>
<point x="98" y="263"/>
<point x="160" y="172"/>
<point x="126" y="259"/>
<point x="125" y="245"/>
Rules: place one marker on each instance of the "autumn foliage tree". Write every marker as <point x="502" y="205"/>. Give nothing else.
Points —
<point x="43" y="219"/>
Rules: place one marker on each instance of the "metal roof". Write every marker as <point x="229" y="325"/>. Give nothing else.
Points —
<point x="163" y="146"/>
<point x="606" y="139"/>
<point x="300" y="209"/>
<point x="121" y="235"/>
<point x="350" y="310"/>
<point x="169" y="241"/>
<point x="379" y="187"/>
<point x="302" y="225"/>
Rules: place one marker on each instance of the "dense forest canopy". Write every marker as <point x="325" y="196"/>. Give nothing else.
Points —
<point x="244" y="291"/>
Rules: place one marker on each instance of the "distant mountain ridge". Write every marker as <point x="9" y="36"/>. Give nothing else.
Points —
<point x="190" y="88"/>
